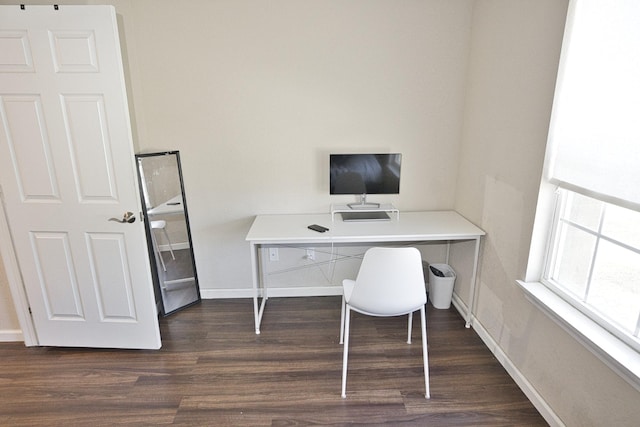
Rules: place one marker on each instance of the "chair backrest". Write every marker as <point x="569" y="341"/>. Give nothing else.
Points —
<point x="390" y="282"/>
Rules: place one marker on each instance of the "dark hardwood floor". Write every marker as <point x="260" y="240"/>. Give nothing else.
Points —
<point x="213" y="370"/>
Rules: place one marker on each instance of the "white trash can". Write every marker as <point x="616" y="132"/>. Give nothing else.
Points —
<point x="441" y="288"/>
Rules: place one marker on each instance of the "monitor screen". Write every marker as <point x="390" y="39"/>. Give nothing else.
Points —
<point x="364" y="173"/>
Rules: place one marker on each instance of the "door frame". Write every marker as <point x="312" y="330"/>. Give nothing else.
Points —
<point x="14" y="277"/>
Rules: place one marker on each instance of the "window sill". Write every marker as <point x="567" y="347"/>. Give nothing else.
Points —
<point x="624" y="360"/>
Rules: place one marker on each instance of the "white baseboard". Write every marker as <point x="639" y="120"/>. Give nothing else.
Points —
<point x="226" y="293"/>
<point x="540" y="404"/>
<point x="174" y="246"/>
<point x="315" y="291"/>
<point x="11" y="335"/>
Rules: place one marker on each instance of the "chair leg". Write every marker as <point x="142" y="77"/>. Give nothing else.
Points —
<point x="410" y="327"/>
<point x="342" y="321"/>
<point x="425" y="355"/>
<point x="156" y="249"/>
<point x="169" y="242"/>
<point x="345" y="352"/>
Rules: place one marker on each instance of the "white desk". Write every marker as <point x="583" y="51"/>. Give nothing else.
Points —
<point x="408" y="227"/>
<point x="172" y="206"/>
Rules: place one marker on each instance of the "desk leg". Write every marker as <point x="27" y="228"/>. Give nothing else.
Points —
<point x="472" y="292"/>
<point x="448" y="252"/>
<point x="257" y="313"/>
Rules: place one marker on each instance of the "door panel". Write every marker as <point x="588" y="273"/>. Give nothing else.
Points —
<point x="15" y="51"/>
<point x="88" y="137"/>
<point x="74" y="51"/>
<point x="110" y="272"/>
<point x="29" y="147"/>
<point x="54" y="264"/>
<point x="67" y="169"/>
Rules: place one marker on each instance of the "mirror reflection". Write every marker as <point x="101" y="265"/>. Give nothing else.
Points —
<point x="168" y="233"/>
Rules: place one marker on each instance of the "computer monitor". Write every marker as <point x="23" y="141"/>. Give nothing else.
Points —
<point x="362" y="174"/>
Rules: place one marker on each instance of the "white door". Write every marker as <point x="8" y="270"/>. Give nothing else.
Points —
<point x="66" y="167"/>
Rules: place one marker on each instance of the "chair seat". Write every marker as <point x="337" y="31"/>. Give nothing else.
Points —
<point x="158" y="224"/>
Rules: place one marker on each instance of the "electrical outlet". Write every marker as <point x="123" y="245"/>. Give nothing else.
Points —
<point x="311" y="254"/>
<point x="273" y="254"/>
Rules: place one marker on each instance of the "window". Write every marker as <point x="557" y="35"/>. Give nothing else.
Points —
<point x="584" y="263"/>
<point x="594" y="262"/>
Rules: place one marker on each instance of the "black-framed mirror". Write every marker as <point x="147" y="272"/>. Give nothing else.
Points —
<point x="168" y="233"/>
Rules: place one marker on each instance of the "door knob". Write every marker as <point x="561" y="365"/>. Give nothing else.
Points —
<point x="128" y="217"/>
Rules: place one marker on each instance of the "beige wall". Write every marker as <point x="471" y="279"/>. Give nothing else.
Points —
<point x="514" y="57"/>
<point x="9" y="325"/>
<point x="255" y="94"/>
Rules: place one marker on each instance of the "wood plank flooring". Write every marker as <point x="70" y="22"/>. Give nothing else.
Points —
<point x="214" y="371"/>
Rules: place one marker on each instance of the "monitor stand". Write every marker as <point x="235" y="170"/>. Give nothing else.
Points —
<point x="365" y="216"/>
<point x="363" y="204"/>
<point x="373" y="213"/>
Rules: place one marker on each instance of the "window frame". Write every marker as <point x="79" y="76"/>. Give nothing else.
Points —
<point x="614" y="352"/>
<point x="550" y="264"/>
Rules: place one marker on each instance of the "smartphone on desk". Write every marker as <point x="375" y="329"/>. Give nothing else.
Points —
<point x="318" y="228"/>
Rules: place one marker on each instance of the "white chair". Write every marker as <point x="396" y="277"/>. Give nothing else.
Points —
<point x="390" y="283"/>
<point x="161" y="225"/>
